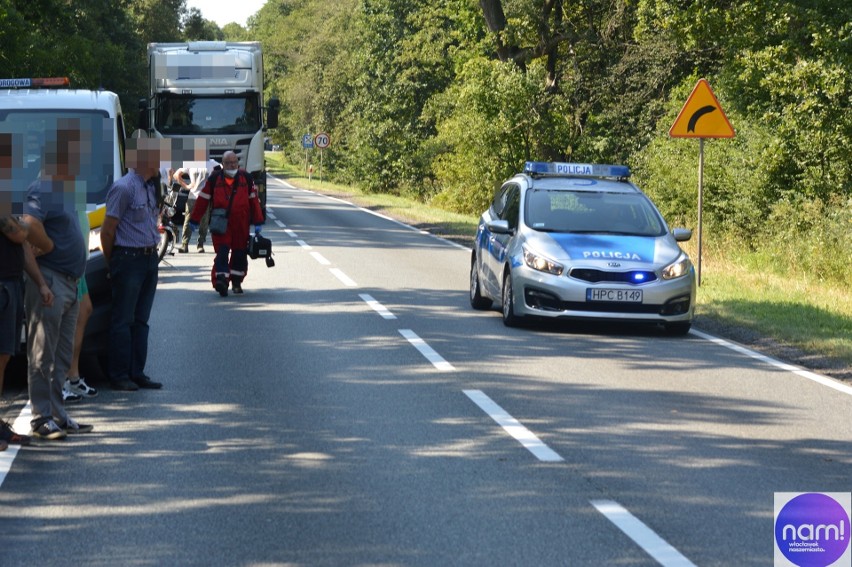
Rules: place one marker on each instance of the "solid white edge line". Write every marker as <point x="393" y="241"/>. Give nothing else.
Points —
<point x="377" y="307"/>
<point x="7" y="457"/>
<point x="513" y="427"/>
<point x="320" y="258"/>
<point x="344" y="279"/>
<point x="431" y="355"/>
<point x="642" y="535"/>
<point x="818" y="378"/>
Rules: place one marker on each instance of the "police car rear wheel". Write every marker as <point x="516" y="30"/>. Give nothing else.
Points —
<point x="477" y="301"/>
<point x="509" y="317"/>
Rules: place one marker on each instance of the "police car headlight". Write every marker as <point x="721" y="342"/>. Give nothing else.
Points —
<point x="678" y="269"/>
<point x="542" y="264"/>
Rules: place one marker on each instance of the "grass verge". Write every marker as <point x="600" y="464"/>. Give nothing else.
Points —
<point x="789" y="317"/>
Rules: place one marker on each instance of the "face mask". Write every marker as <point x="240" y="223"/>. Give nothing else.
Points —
<point x="230" y="172"/>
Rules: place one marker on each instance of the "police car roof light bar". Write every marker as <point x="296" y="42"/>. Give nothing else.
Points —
<point x="576" y="169"/>
<point x="26" y="82"/>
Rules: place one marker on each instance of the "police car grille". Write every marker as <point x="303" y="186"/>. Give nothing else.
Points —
<point x="595" y="276"/>
<point x="600" y="307"/>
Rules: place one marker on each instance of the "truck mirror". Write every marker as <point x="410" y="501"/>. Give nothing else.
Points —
<point x="272" y="109"/>
<point x="143" y="114"/>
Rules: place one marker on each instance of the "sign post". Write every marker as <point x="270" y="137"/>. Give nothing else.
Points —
<point x="308" y="144"/>
<point x="322" y="141"/>
<point x="701" y="117"/>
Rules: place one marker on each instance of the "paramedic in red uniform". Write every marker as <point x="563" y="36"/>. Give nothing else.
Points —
<point x="244" y="211"/>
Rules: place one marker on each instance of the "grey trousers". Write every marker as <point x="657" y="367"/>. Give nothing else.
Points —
<point x="50" y="344"/>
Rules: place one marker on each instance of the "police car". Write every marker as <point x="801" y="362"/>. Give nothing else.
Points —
<point x="580" y="241"/>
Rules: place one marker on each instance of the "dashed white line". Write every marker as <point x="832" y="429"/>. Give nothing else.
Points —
<point x="320" y="258"/>
<point x="513" y="427"/>
<point x="344" y="279"/>
<point x="304" y="244"/>
<point x="377" y="307"/>
<point x="280" y="224"/>
<point x="436" y="359"/>
<point x="291" y="233"/>
<point x="654" y="545"/>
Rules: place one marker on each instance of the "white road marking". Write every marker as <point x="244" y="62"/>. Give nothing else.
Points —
<point x="513" y="427"/>
<point x="819" y="379"/>
<point x="377" y="307"/>
<point x="436" y="359"/>
<point x="291" y="233"/>
<point x="304" y="244"/>
<point x="270" y="214"/>
<point x="320" y="258"/>
<point x="346" y="280"/>
<point x="7" y="457"/>
<point x="654" y="545"/>
<point x="280" y="224"/>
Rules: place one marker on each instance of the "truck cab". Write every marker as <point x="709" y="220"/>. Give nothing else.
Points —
<point x="212" y="90"/>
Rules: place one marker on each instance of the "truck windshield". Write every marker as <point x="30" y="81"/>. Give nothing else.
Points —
<point x="193" y="114"/>
<point x="31" y="135"/>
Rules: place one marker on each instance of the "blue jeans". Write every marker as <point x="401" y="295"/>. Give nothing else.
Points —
<point x="134" y="282"/>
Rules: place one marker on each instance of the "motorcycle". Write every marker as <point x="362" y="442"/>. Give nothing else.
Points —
<point x="172" y="213"/>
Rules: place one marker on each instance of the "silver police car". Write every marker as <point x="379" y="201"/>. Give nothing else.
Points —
<point x="580" y="241"/>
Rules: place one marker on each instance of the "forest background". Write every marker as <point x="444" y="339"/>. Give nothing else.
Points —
<point x="441" y="100"/>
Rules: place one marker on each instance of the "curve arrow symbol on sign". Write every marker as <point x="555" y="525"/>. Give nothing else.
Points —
<point x="693" y="120"/>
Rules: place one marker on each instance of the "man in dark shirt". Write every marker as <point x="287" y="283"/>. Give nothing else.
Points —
<point x="54" y="231"/>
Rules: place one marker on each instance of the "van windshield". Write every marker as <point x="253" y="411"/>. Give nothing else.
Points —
<point x="32" y="134"/>
<point x="193" y="114"/>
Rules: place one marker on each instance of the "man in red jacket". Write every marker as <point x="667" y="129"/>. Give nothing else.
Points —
<point x="231" y="190"/>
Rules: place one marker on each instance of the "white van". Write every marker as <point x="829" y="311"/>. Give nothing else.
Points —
<point x="31" y="110"/>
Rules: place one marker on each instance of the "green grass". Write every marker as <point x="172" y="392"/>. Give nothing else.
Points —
<point x="739" y="297"/>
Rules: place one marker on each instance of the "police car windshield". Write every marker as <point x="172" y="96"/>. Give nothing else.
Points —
<point x="190" y="114"/>
<point x="34" y="136"/>
<point x="592" y="212"/>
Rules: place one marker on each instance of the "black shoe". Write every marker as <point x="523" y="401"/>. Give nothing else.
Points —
<point x="201" y="249"/>
<point x="221" y="286"/>
<point x="124" y="386"/>
<point x="238" y="288"/>
<point x="147" y="383"/>
<point x="183" y="249"/>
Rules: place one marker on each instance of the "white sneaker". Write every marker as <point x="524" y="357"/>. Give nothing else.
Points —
<point x="68" y="395"/>
<point x="80" y="387"/>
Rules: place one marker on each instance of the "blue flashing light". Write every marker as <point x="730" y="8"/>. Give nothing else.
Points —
<point x="577" y="169"/>
<point x="638" y="277"/>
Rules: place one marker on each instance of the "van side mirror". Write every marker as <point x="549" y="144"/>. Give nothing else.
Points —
<point x="144" y="123"/>
<point x="272" y="109"/>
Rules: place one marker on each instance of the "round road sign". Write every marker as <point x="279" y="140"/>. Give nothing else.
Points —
<point x="322" y="140"/>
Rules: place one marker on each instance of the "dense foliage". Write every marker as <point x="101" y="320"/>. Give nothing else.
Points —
<point x="442" y="99"/>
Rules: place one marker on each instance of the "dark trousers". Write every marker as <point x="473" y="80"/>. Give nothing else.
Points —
<point x="134" y="282"/>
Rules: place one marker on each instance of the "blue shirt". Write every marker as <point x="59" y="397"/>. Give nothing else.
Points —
<point x="45" y="202"/>
<point x="134" y="203"/>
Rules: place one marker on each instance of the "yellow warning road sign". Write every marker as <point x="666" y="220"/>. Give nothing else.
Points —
<point x="702" y="116"/>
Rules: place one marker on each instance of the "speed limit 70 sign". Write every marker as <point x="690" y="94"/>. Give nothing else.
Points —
<point x="322" y="140"/>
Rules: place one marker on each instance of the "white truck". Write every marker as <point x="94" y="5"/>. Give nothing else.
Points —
<point x="211" y="90"/>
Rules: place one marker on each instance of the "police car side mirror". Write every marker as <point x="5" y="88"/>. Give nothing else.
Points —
<point x="499" y="227"/>
<point x="681" y="234"/>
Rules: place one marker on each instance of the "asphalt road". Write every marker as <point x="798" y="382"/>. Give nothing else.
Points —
<point x="351" y="409"/>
